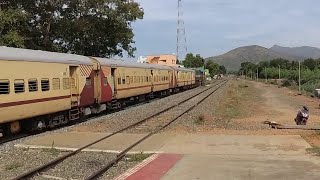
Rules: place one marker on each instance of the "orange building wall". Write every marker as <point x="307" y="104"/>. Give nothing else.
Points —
<point x="169" y="60"/>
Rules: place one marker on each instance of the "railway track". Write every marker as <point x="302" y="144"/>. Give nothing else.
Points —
<point x="122" y="154"/>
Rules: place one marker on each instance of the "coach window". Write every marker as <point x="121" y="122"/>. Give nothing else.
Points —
<point x="45" y="85"/>
<point x="119" y="80"/>
<point x="88" y="82"/>
<point x="33" y="85"/>
<point x="19" y="86"/>
<point x="66" y="83"/>
<point x="4" y="86"/>
<point x="55" y="83"/>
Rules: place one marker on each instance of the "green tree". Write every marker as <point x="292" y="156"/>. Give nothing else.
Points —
<point x="222" y="70"/>
<point x="192" y="61"/>
<point x="12" y="23"/>
<point x="87" y="27"/>
<point x="213" y="68"/>
<point x="310" y="63"/>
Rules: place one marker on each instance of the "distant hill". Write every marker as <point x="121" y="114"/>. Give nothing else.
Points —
<point x="232" y="60"/>
<point x="303" y="52"/>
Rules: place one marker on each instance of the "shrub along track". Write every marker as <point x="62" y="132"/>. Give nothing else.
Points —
<point x="122" y="154"/>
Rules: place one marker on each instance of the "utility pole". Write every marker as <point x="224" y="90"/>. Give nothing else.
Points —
<point x="181" y="34"/>
<point x="279" y="72"/>
<point x="266" y="74"/>
<point x="299" y="77"/>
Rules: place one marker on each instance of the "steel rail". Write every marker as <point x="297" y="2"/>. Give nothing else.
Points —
<point x="54" y="162"/>
<point x="122" y="154"/>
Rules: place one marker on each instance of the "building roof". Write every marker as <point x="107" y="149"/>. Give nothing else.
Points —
<point x="17" y="54"/>
<point x="158" y="55"/>
<point x="122" y="63"/>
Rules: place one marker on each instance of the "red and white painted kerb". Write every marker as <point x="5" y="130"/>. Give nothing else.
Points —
<point x="152" y="168"/>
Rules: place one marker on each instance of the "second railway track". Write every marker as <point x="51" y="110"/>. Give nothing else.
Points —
<point x="37" y="170"/>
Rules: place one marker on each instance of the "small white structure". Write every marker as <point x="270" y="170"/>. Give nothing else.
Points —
<point x="142" y="59"/>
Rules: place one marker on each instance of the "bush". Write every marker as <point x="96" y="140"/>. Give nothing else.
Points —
<point x="286" y="83"/>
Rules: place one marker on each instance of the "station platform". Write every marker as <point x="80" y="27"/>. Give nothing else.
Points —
<point x="192" y="156"/>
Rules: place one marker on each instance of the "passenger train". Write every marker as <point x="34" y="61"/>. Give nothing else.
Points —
<point x="40" y="89"/>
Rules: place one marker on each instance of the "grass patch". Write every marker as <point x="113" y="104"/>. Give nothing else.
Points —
<point x="314" y="150"/>
<point x="200" y="120"/>
<point x="52" y="151"/>
<point x="239" y="102"/>
<point x="137" y="157"/>
<point x="13" y="166"/>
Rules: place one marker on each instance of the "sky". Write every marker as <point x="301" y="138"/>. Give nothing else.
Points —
<point x="214" y="27"/>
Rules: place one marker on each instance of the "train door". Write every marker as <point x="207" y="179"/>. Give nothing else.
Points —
<point x="171" y="83"/>
<point x="152" y="80"/>
<point x="112" y="82"/>
<point x="74" y="85"/>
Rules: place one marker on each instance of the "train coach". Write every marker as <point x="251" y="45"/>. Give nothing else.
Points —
<point x="44" y="89"/>
<point x="40" y="89"/>
<point x="131" y="81"/>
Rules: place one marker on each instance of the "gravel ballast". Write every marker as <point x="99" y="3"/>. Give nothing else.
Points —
<point x="82" y="165"/>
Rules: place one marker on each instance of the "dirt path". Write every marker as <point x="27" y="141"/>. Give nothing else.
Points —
<point x="282" y="104"/>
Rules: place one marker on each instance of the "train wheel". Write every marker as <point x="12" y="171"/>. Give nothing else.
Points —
<point x="15" y="127"/>
<point x="11" y="128"/>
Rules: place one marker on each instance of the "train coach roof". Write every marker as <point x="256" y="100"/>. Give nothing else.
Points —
<point x="182" y="69"/>
<point x="121" y="63"/>
<point x="16" y="54"/>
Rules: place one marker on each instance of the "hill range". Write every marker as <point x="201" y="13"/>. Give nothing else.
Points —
<point x="232" y="60"/>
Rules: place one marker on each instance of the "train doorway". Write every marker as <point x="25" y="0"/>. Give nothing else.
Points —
<point x="74" y="85"/>
<point x="112" y="81"/>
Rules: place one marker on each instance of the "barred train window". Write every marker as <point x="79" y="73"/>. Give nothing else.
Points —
<point x="33" y="85"/>
<point x="119" y="80"/>
<point x="19" y="86"/>
<point x="105" y="81"/>
<point x="55" y="83"/>
<point x="45" y="86"/>
<point x="4" y="86"/>
<point x="88" y="82"/>
<point x="131" y="79"/>
<point x="66" y="83"/>
<point x="128" y="79"/>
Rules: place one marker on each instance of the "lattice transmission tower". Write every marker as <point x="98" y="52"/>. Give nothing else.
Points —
<point x="181" y="34"/>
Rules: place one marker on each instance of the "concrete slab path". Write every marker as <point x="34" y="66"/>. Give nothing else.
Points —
<point x="207" y="156"/>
